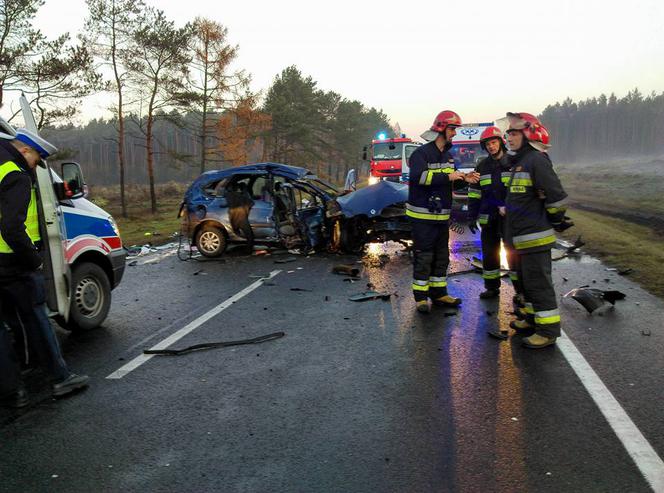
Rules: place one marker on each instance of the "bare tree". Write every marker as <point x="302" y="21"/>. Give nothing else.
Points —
<point x="108" y="30"/>
<point x="158" y="60"/>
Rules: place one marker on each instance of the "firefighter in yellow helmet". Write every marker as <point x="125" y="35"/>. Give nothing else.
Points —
<point x="535" y="205"/>
<point x="432" y="178"/>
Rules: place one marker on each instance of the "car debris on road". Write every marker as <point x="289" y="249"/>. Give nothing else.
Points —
<point x="346" y="270"/>
<point x="592" y="299"/>
<point x="214" y="345"/>
<point x="370" y="295"/>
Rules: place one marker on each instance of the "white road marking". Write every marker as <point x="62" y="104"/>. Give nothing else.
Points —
<point x="139" y="360"/>
<point x="637" y="446"/>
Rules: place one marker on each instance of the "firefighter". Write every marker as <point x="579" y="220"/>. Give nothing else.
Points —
<point x="21" y="280"/>
<point x="535" y="210"/>
<point x="487" y="204"/>
<point x="432" y="177"/>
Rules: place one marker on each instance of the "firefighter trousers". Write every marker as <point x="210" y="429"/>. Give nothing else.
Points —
<point x="492" y="235"/>
<point x="534" y="271"/>
<point x="431" y="258"/>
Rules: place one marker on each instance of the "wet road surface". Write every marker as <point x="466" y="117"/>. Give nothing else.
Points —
<point x="356" y="397"/>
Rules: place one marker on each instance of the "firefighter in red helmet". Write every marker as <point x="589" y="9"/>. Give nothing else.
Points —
<point x="486" y="205"/>
<point x="432" y="177"/>
<point x="535" y="211"/>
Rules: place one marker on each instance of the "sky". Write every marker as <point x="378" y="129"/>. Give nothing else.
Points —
<point x="413" y="59"/>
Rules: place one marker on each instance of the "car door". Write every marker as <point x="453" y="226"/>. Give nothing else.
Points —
<point x="309" y="210"/>
<point x="57" y="272"/>
<point x="261" y="215"/>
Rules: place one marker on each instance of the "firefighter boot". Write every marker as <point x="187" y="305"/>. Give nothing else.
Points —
<point x="447" y="300"/>
<point x="522" y="327"/>
<point x="422" y="306"/>
<point x="538" y="341"/>
<point x="489" y="294"/>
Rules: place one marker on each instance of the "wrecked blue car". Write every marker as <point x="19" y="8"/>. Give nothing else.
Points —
<point x="276" y="204"/>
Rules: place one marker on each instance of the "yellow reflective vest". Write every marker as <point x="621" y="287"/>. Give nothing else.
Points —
<point x="32" y="218"/>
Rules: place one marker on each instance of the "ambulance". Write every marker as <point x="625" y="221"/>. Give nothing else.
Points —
<point x="83" y="255"/>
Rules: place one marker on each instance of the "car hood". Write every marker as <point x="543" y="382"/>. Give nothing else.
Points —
<point x="371" y="200"/>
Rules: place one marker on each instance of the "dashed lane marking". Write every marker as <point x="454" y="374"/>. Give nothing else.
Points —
<point x="143" y="358"/>
<point x="637" y="446"/>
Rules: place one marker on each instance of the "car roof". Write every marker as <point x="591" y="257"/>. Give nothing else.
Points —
<point x="292" y="172"/>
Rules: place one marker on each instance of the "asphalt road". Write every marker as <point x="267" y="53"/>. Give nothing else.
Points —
<point x="356" y="397"/>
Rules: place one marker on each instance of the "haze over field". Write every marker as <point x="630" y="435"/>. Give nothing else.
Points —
<point x="412" y="59"/>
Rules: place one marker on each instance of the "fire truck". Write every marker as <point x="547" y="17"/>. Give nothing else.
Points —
<point x="388" y="158"/>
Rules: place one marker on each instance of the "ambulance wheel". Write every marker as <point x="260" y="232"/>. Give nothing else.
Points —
<point x="91" y="297"/>
<point x="211" y="241"/>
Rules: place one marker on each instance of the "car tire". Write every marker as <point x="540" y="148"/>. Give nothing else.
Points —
<point x="349" y="241"/>
<point x="211" y="241"/>
<point x="91" y="297"/>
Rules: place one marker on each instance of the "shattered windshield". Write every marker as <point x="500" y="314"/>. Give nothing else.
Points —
<point x="390" y="150"/>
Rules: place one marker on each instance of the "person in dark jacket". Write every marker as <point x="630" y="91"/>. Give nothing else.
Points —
<point x="432" y="177"/>
<point x="21" y="281"/>
<point x="486" y="203"/>
<point x="535" y="210"/>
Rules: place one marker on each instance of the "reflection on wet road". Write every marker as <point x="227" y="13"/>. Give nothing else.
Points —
<point x="357" y="396"/>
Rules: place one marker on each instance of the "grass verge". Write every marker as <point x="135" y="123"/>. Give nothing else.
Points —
<point x="141" y="226"/>
<point x="622" y="244"/>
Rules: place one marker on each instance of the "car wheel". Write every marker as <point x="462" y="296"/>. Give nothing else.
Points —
<point x="91" y="297"/>
<point x="211" y="241"/>
<point x="349" y="239"/>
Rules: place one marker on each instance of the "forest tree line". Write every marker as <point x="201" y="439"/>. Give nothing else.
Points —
<point x="601" y="128"/>
<point x="301" y="125"/>
<point x="181" y="106"/>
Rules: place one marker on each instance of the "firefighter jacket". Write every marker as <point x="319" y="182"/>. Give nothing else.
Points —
<point x="485" y="197"/>
<point x="19" y="220"/>
<point x="430" y="189"/>
<point x="534" y="201"/>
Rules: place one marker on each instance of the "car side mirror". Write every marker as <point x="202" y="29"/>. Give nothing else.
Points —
<point x="73" y="185"/>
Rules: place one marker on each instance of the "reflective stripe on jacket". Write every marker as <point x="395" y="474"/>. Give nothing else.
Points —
<point x="429" y="183"/>
<point x="489" y="193"/>
<point x="533" y="188"/>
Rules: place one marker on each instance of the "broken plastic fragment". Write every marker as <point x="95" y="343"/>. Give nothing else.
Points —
<point x="557" y="254"/>
<point x="285" y="260"/>
<point x="577" y="244"/>
<point x="370" y="295"/>
<point x="592" y="299"/>
<point x="346" y="270"/>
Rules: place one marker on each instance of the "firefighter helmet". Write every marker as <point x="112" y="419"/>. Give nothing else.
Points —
<point x="491" y="133"/>
<point x="532" y="129"/>
<point x="443" y="120"/>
